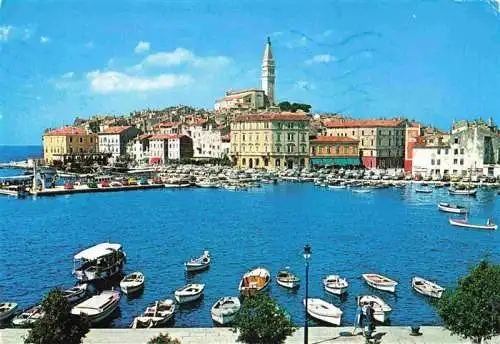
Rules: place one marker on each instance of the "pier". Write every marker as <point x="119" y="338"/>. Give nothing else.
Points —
<point x="77" y="189"/>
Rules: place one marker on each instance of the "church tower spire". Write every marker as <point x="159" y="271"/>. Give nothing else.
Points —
<point x="268" y="73"/>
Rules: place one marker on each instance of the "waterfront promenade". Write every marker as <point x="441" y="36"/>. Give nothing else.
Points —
<point x="317" y="335"/>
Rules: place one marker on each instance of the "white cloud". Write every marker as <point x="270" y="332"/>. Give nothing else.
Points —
<point x="181" y="56"/>
<point x="67" y="75"/>
<point x="44" y="39"/>
<point x="297" y="43"/>
<point x="304" y="85"/>
<point x="142" y="47"/>
<point x="5" y="31"/>
<point x="321" y="58"/>
<point x="112" y="81"/>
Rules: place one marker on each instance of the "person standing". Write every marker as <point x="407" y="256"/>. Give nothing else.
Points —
<point x="358" y="322"/>
<point x="369" y="321"/>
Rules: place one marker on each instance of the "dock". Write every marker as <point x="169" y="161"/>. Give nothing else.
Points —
<point x="78" y="189"/>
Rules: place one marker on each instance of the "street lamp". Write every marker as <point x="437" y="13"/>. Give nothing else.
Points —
<point x="307" y="255"/>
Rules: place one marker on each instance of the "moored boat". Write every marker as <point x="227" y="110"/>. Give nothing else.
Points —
<point x="324" y="311"/>
<point x="99" y="262"/>
<point x="287" y="279"/>
<point x="334" y="284"/>
<point x="380" y="282"/>
<point x="424" y="190"/>
<point x="381" y="309"/>
<point x="7" y="309"/>
<point x="465" y="223"/>
<point x="426" y="287"/>
<point x="28" y="317"/>
<point x="200" y="263"/>
<point x="76" y="293"/>
<point x="157" y="315"/>
<point x="132" y="283"/>
<point x="98" y="307"/>
<point x="452" y="208"/>
<point x="254" y="281"/>
<point x="225" y="309"/>
<point x="462" y="192"/>
<point x="189" y="293"/>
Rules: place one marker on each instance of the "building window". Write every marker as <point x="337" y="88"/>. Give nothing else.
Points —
<point x="278" y="137"/>
<point x="439" y="151"/>
<point x="291" y="148"/>
<point x="313" y="150"/>
<point x="243" y="137"/>
<point x="390" y="141"/>
<point x="432" y="161"/>
<point x="328" y="150"/>
<point x="461" y="151"/>
<point x="461" y="161"/>
<point x="438" y="162"/>
<point x="303" y="138"/>
<point x="353" y="133"/>
<point x="372" y="143"/>
<point x="70" y="139"/>
<point x="278" y="148"/>
<point x="362" y="142"/>
<point x="455" y="161"/>
<point x="455" y="151"/>
<point x="456" y="140"/>
<point x="243" y="161"/>
<point x="303" y="148"/>
<point x="81" y="139"/>
<point x="446" y="151"/>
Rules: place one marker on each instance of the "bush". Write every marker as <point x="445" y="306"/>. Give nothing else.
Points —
<point x="163" y="338"/>
<point x="58" y="326"/>
<point x="262" y="321"/>
<point x="472" y="310"/>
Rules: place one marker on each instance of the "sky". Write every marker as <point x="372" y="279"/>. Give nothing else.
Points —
<point x="433" y="61"/>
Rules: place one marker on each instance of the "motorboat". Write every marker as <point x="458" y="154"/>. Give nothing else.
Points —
<point x="76" y="293"/>
<point x="463" y="192"/>
<point x="424" y="190"/>
<point x="28" y="317"/>
<point x="452" y="208"/>
<point x="361" y="191"/>
<point x="198" y="264"/>
<point x="157" y="315"/>
<point x="189" y="293"/>
<point x="7" y="309"/>
<point x="207" y="183"/>
<point x="324" y="311"/>
<point x="101" y="261"/>
<point x="132" y="283"/>
<point x="98" y="307"/>
<point x="380" y="282"/>
<point x="334" y="284"/>
<point x="336" y="187"/>
<point x="426" y="287"/>
<point x="225" y="309"/>
<point x="465" y="223"/>
<point x="177" y="185"/>
<point x="382" y="310"/>
<point x="287" y="279"/>
<point x="254" y="281"/>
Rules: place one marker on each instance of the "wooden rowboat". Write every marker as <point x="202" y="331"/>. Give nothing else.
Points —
<point x="380" y="282"/>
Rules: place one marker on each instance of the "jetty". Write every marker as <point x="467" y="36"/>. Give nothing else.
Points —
<point x="78" y="189"/>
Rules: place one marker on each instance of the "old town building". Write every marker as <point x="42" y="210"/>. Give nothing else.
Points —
<point x="249" y="99"/>
<point x="114" y="140"/>
<point x="270" y="141"/>
<point x="338" y="151"/>
<point x="166" y="148"/>
<point x="207" y="139"/>
<point x="68" y="143"/>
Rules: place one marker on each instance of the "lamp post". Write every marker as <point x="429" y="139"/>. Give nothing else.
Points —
<point x="307" y="255"/>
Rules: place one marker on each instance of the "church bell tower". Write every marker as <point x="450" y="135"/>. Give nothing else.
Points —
<point x="268" y="73"/>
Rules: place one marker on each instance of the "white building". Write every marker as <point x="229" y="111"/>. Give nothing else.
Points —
<point x="207" y="139"/>
<point x="161" y="148"/>
<point x="114" y="140"/>
<point x="249" y="99"/>
<point x="138" y="149"/>
<point x="433" y="161"/>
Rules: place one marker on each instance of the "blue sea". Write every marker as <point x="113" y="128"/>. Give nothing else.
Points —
<point x="395" y="232"/>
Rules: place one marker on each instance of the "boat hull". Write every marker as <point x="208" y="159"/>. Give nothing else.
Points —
<point x="288" y="284"/>
<point x="389" y="286"/>
<point x="194" y="268"/>
<point x="130" y="289"/>
<point x="418" y="286"/>
<point x="453" y="210"/>
<point x="472" y="226"/>
<point x="12" y="308"/>
<point x="143" y="322"/>
<point x="324" y="316"/>
<point x="188" y="298"/>
<point x="335" y="290"/>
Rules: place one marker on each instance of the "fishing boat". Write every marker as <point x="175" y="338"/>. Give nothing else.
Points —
<point x="452" y="208"/>
<point x="361" y="191"/>
<point x="324" y="311"/>
<point x="225" y="309"/>
<point x="198" y="264"/>
<point x="465" y="223"/>
<point x="426" y="287"/>
<point x="463" y="192"/>
<point x="76" y="293"/>
<point x="380" y="282"/>
<point x="254" y="281"/>
<point x="382" y="310"/>
<point x="7" y="309"/>
<point x="189" y="293"/>
<point x="424" y="190"/>
<point x="98" y="307"/>
<point x="287" y="279"/>
<point x="99" y="262"/>
<point x="334" y="284"/>
<point x="132" y="283"/>
<point x="28" y="317"/>
<point x="155" y="316"/>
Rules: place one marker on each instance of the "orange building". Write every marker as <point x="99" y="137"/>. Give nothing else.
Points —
<point x="62" y="142"/>
<point x="334" y="151"/>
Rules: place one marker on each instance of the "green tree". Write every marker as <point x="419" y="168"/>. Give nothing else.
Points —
<point x="285" y="106"/>
<point x="262" y="321"/>
<point x="58" y="325"/>
<point x="163" y="338"/>
<point x="472" y="309"/>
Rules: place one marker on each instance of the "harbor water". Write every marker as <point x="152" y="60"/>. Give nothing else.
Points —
<point x="394" y="232"/>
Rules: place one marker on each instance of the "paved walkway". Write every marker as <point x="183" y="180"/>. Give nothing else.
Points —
<point x="317" y="335"/>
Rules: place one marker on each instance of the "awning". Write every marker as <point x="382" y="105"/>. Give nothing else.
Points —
<point x="335" y="161"/>
<point x="155" y="160"/>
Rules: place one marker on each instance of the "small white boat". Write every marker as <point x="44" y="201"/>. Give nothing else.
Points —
<point x="452" y="208"/>
<point x="380" y="282"/>
<point x="335" y="285"/>
<point x="324" y="311"/>
<point x="225" y="309"/>
<point x="98" y="307"/>
<point x="462" y="192"/>
<point x="361" y="190"/>
<point x="189" y="293"/>
<point x="7" y="309"/>
<point x="464" y="223"/>
<point x="287" y="279"/>
<point x="177" y="186"/>
<point x="132" y="283"/>
<point x="336" y="187"/>
<point x="76" y="293"/>
<point x="254" y="281"/>
<point x="157" y="315"/>
<point x="28" y="317"/>
<point x="427" y="288"/>
<point x="425" y="190"/>
<point x="382" y="310"/>
<point x="197" y="264"/>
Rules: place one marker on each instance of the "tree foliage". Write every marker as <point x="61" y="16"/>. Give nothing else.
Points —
<point x="261" y="320"/>
<point x="293" y="107"/>
<point x="472" y="310"/>
<point x="58" y="325"/>
<point x="163" y="338"/>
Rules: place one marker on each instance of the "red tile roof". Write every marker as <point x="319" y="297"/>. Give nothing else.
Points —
<point x="360" y="123"/>
<point x="66" y="131"/>
<point x="336" y="139"/>
<point x="282" y="116"/>
<point x="115" y="130"/>
<point x="167" y="124"/>
<point x="142" y="137"/>
<point x="166" y="137"/>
